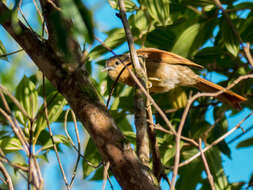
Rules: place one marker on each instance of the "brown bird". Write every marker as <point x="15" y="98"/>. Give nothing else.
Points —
<point x="166" y="71"/>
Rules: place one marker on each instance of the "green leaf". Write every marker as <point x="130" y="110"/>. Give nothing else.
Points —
<point x="130" y="136"/>
<point x="140" y="24"/>
<point x="244" y="5"/>
<point x="230" y="40"/>
<point x="6" y="16"/>
<point x="221" y="129"/>
<point x="10" y="144"/>
<point x="245" y="143"/>
<point x="92" y="155"/>
<point x="158" y="10"/>
<point x="201" y="3"/>
<point x="3" y="51"/>
<point x="86" y="16"/>
<point x="214" y="161"/>
<point x="43" y="157"/>
<point x="237" y="185"/>
<point x="246" y="29"/>
<point x="62" y="32"/>
<point x="161" y="37"/>
<point x="57" y="140"/>
<point x="204" y="34"/>
<point x="178" y="97"/>
<point x="185" y="40"/>
<point x="115" y="38"/>
<point x="129" y="5"/>
<point x="99" y="174"/>
<point x="55" y="104"/>
<point x="187" y="178"/>
<point x="27" y="95"/>
<point x="167" y="148"/>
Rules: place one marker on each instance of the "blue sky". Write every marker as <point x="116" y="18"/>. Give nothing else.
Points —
<point x="238" y="168"/>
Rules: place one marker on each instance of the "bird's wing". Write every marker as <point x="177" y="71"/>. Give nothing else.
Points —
<point x="156" y="55"/>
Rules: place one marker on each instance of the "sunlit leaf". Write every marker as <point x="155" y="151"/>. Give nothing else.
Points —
<point x="230" y="40"/>
<point x="178" y="97"/>
<point x="57" y="140"/>
<point x="214" y="161"/>
<point x="55" y="104"/>
<point x="129" y="5"/>
<point x="158" y="10"/>
<point x="184" y="42"/>
<point x="27" y="95"/>
<point x="10" y="144"/>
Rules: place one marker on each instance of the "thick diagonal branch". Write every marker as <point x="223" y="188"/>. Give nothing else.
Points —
<point x="83" y="99"/>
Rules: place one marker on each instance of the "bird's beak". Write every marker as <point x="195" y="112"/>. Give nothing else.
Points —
<point x="108" y="68"/>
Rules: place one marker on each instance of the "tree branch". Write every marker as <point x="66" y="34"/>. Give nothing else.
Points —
<point x="84" y="101"/>
<point x="208" y="172"/>
<point x="142" y="142"/>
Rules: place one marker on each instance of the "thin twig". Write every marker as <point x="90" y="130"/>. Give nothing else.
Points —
<point x="109" y="179"/>
<point x="106" y="167"/>
<point x="16" y="166"/>
<point x="215" y="94"/>
<point x="129" y="37"/>
<point x="156" y="158"/>
<point x="15" y="130"/>
<point x="142" y="142"/>
<point x="216" y="141"/>
<point x="72" y="143"/>
<point x="7" y="176"/>
<point x="38" y="174"/>
<point x="23" y="16"/>
<point x="79" y="149"/>
<point x="178" y="138"/>
<point x="41" y="17"/>
<point x="30" y="155"/>
<point x="167" y="180"/>
<point x="15" y="101"/>
<point x="208" y="172"/>
<point x="11" y="53"/>
<point x="54" y="5"/>
<point x="52" y="137"/>
<point x="240" y="135"/>
<point x="5" y="103"/>
<point x="246" y="49"/>
<point x="158" y="127"/>
<point x="27" y="146"/>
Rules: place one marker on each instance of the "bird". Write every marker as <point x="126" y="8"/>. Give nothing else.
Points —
<point x="166" y="71"/>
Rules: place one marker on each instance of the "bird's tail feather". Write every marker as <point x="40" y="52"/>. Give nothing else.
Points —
<point x="227" y="96"/>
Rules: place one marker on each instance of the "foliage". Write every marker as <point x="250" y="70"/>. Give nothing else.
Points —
<point x="193" y="29"/>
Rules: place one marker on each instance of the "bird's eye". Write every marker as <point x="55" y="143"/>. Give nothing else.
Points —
<point x="117" y="63"/>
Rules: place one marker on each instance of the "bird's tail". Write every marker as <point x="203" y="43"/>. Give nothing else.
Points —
<point x="227" y="96"/>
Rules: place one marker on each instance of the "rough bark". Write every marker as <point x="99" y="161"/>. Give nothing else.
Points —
<point x="82" y="97"/>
